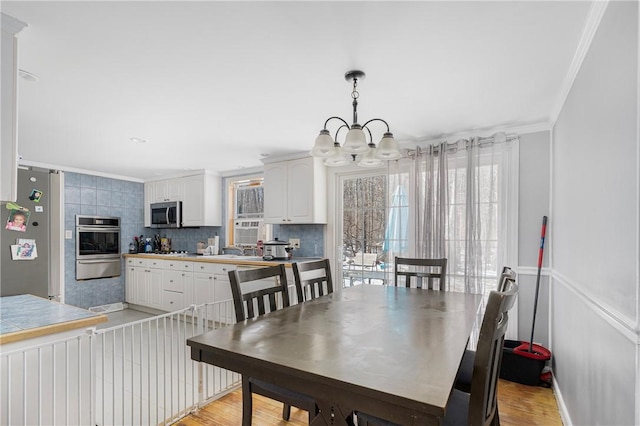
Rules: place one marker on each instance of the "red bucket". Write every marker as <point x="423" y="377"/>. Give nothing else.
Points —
<point x="521" y="366"/>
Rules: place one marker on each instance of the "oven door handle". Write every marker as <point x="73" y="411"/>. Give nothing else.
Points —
<point x="103" y="260"/>
<point x="97" y="229"/>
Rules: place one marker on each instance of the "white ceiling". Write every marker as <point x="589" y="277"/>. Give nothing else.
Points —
<point x="215" y="85"/>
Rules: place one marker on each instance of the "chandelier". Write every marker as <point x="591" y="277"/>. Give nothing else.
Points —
<point x="355" y="143"/>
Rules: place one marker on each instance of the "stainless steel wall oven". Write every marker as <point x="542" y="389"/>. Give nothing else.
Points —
<point x="97" y="247"/>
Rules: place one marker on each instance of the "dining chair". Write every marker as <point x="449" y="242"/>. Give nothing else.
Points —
<point x="419" y="269"/>
<point x="479" y="406"/>
<point x="312" y="279"/>
<point x="264" y="290"/>
<point x="360" y="265"/>
<point x="465" y="371"/>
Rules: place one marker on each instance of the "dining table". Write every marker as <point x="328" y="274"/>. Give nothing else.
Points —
<point x="392" y="352"/>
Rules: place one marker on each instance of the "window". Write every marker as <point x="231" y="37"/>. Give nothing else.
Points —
<point x="245" y="200"/>
<point x="249" y="198"/>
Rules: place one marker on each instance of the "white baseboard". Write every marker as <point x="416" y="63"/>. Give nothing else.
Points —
<point x="562" y="408"/>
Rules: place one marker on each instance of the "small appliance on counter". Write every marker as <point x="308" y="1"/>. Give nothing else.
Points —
<point x="276" y="250"/>
<point x="212" y="246"/>
<point x="200" y="247"/>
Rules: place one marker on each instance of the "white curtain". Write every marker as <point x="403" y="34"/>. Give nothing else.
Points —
<point x="458" y="193"/>
<point x="431" y="195"/>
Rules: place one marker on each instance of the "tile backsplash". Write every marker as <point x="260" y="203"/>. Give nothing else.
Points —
<point x="95" y="195"/>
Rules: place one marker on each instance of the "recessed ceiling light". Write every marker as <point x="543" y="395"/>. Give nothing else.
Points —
<point x="28" y="76"/>
<point x="264" y="154"/>
<point x="138" y="140"/>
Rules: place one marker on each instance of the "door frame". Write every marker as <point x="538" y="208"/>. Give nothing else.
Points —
<point x="335" y="178"/>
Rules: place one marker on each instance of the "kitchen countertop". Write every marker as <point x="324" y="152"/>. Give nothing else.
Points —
<point x="223" y="258"/>
<point x="26" y="316"/>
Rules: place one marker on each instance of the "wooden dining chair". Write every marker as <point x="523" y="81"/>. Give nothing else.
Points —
<point x="419" y="269"/>
<point x="480" y="405"/>
<point x="257" y="292"/>
<point x="465" y="371"/>
<point x="312" y="279"/>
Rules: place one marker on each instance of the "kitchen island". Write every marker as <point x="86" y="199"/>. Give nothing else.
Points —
<point x="26" y="317"/>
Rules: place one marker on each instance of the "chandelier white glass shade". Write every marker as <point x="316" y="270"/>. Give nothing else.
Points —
<point x="355" y="142"/>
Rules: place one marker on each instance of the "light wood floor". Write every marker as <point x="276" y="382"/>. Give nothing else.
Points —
<point x="519" y="405"/>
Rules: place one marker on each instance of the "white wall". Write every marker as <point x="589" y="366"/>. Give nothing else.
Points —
<point x="594" y="227"/>
<point x="533" y="204"/>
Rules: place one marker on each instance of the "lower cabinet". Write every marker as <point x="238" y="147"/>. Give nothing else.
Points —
<point x="177" y="283"/>
<point x="171" y="285"/>
<point x="143" y="283"/>
<point x="211" y="282"/>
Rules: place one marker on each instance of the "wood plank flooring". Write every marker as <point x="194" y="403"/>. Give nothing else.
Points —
<point x="519" y="405"/>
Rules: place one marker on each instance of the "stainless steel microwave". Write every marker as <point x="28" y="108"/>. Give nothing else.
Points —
<point x="166" y="215"/>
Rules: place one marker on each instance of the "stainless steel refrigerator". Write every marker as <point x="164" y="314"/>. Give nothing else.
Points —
<point x="31" y="252"/>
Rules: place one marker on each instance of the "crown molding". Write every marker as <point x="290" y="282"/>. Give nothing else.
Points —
<point x="76" y="170"/>
<point x="486" y="132"/>
<point x="11" y="25"/>
<point x="591" y="26"/>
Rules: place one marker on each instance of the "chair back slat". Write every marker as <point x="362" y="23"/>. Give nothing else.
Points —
<point x="507" y="272"/>
<point x="486" y="366"/>
<point x="420" y="269"/>
<point x="313" y="279"/>
<point x="245" y="301"/>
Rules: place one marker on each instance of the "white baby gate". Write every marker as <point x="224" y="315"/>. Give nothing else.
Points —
<point x="140" y="373"/>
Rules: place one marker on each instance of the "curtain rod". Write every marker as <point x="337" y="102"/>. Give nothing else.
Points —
<point x="453" y="146"/>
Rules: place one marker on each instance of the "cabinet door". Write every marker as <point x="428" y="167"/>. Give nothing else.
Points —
<point x="164" y="190"/>
<point x="140" y="287"/>
<point x="201" y="200"/>
<point x="131" y="284"/>
<point x="203" y="284"/>
<point x="300" y="191"/>
<point x="154" y="284"/>
<point x="160" y="191"/>
<point x="275" y="193"/>
<point x="193" y="201"/>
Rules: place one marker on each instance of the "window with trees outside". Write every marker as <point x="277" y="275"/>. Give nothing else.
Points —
<point x="379" y="215"/>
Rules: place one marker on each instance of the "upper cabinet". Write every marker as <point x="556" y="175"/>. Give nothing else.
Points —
<point x="201" y="200"/>
<point x="9" y="119"/>
<point x="295" y="192"/>
<point x="165" y="190"/>
<point x="200" y="195"/>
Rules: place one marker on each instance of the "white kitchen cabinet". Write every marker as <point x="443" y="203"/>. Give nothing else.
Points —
<point x="211" y="284"/>
<point x="201" y="200"/>
<point x="160" y="191"/>
<point x="164" y="190"/>
<point x="177" y="284"/>
<point x="176" y="290"/>
<point x="143" y="283"/>
<point x="200" y="196"/>
<point x="9" y="110"/>
<point x="295" y="192"/>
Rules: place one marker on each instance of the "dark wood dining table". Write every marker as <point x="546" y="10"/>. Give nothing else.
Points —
<point x="392" y="352"/>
